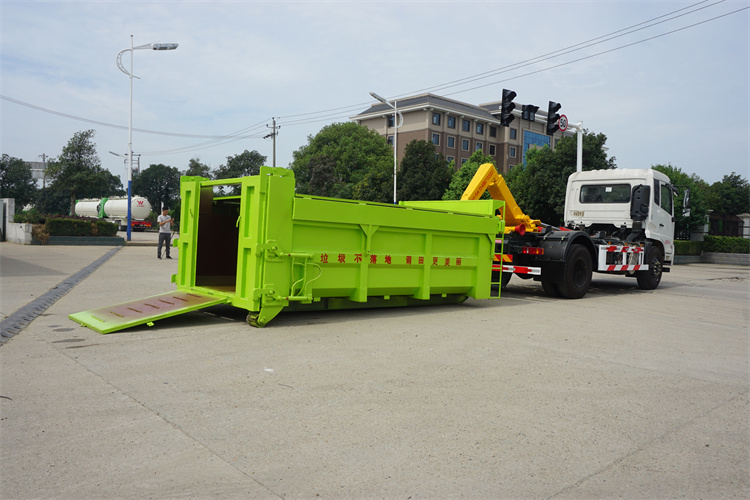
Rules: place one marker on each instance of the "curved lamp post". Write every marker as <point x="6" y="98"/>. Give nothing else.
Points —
<point x="151" y="46"/>
<point x="395" y="136"/>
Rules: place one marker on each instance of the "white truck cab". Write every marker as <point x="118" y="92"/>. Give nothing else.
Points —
<point x="624" y="201"/>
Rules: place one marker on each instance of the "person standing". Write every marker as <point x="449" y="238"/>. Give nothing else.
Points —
<point x="165" y="232"/>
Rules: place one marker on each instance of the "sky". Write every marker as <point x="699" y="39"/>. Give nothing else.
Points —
<point x="665" y="81"/>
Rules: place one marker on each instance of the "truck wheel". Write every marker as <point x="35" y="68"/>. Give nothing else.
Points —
<point x="505" y="279"/>
<point x="576" y="277"/>
<point x="550" y="288"/>
<point x="650" y="279"/>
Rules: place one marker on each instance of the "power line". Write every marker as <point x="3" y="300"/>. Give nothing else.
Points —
<point x="344" y="111"/>
<point x="572" y="48"/>
<point x="103" y="124"/>
<point x="535" y="60"/>
<point x="219" y="141"/>
<point x="603" y="52"/>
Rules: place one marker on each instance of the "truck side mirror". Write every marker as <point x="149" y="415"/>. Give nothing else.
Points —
<point x="686" y="199"/>
<point x="639" y="202"/>
<point x="686" y="203"/>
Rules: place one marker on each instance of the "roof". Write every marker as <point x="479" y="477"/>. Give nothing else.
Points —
<point x="427" y="101"/>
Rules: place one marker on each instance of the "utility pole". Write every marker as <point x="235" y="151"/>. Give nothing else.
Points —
<point x="273" y="134"/>
<point x="44" y="173"/>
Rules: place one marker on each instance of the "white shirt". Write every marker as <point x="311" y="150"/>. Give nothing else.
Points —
<point x="164" y="228"/>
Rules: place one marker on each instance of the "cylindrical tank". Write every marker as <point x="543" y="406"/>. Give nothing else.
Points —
<point x="140" y="208"/>
<point x="88" y="208"/>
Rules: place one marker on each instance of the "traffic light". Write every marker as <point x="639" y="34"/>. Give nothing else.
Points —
<point x="529" y="112"/>
<point x="507" y="107"/>
<point x="553" y="117"/>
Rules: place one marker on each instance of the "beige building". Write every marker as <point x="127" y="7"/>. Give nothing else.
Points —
<point x="458" y="129"/>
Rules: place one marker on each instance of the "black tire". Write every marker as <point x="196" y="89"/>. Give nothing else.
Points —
<point x="576" y="278"/>
<point x="550" y="288"/>
<point x="650" y="279"/>
<point x="505" y="279"/>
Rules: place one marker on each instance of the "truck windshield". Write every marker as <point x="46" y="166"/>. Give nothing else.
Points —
<point x="605" y="193"/>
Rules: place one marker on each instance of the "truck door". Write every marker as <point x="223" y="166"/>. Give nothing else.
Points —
<point x="661" y="225"/>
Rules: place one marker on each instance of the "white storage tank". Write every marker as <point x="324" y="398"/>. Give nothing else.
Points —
<point x="117" y="208"/>
<point x="88" y="208"/>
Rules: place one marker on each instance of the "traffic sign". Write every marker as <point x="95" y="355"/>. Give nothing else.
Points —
<point x="563" y="123"/>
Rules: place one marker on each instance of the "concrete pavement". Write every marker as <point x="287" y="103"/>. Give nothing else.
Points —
<point x="624" y="393"/>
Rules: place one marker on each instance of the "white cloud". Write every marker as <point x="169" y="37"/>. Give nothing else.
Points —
<point x="240" y="63"/>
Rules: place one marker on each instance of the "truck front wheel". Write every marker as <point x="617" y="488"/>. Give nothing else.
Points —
<point x="576" y="277"/>
<point x="650" y="279"/>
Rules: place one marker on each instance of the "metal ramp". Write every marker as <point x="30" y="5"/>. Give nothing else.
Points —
<point x="118" y="317"/>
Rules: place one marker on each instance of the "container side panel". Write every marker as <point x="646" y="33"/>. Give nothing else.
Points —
<point x="363" y="250"/>
<point x="275" y="245"/>
<point x="249" y="257"/>
<point x="348" y="212"/>
<point x="187" y="242"/>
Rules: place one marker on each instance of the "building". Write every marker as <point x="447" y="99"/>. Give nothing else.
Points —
<point x="458" y="129"/>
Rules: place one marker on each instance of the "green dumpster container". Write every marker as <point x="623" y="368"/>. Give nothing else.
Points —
<point x="252" y="243"/>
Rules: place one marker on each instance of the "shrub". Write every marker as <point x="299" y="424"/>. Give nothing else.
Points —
<point x="68" y="227"/>
<point x="80" y="227"/>
<point x="28" y="217"/>
<point x="726" y="244"/>
<point x="682" y="247"/>
<point x="39" y="232"/>
<point x="104" y="228"/>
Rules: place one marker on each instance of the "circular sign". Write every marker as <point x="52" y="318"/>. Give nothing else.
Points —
<point x="563" y="123"/>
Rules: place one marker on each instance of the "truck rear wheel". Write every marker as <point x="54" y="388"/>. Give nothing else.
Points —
<point x="501" y="278"/>
<point x="550" y="288"/>
<point x="506" y="278"/>
<point x="650" y="279"/>
<point x="576" y="276"/>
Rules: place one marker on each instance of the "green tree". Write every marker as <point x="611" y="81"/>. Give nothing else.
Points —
<point x="322" y="175"/>
<point x="699" y="192"/>
<point x="423" y="174"/>
<point x="539" y="186"/>
<point x="730" y="196"/>
<point x="241" y="165"/>
<point x="462" y="177"/>
<point x="16" y="181"/>
<point x="198" y="169"/>
<point x="376" y="185"/>
<point x="340" y="157"/>
<point x="52" y="201"/>
<point x="158" y="183"/>
<point x="78" y="171"/>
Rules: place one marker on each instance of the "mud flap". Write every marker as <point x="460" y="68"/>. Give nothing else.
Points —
<point x="118" y="317"/>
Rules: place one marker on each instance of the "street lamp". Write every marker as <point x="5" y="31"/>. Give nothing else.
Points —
<point x="395" y="135"/>
<point x="151" y="46"/>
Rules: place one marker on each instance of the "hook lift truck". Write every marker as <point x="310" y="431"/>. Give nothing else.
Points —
<point x="617" y="221"/>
